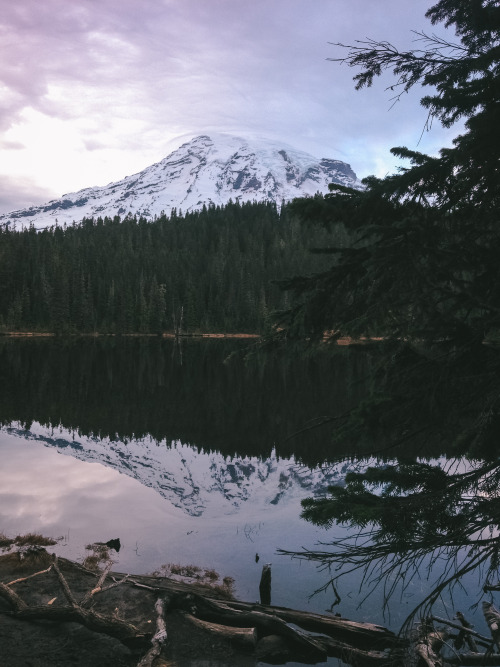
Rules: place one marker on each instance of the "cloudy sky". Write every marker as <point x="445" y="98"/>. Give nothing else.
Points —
<point x="94" y="90"/>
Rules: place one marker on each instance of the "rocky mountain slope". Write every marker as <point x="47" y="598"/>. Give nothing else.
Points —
<point x="208" y="170"/>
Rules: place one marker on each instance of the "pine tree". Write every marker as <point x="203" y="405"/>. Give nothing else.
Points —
<point x="423" y="275"/>
<point x="424" y="266"/>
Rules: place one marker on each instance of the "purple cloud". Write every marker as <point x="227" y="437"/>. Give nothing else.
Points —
<point x="127" y="76"/>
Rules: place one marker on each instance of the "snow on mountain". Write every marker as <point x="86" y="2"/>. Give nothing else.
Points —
<point x="206" y="170"/>
<point x="199" y="483"/>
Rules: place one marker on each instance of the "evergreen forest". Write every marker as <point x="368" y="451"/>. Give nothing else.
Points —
<point x="209" y="271"/>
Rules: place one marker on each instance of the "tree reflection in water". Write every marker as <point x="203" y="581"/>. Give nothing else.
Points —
<point x="426" y="426"/>
<point x="433" y="509"/>
<point x="221" y="395"/>
<point x="405" y="517"/>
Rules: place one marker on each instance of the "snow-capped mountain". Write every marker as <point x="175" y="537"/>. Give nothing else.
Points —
<point x="198" y="483"/>
<point x="206" y="170"/>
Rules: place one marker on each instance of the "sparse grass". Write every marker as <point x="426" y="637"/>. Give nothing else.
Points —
<point x="91" y="562"/>
<point x="211" y="575"/>
<point x="192" y="571"/>
<point x="98" y="548"/>
<point x="226" y="589"/>
<point x="29" y="539"/>
<point x="100" y="554"/>
<point x="5" y="542"/>
<point x="31" y="551"/>
<point x="33" y="539"/>
<point x="207" y="576"/>
<point x="38" y="558"/>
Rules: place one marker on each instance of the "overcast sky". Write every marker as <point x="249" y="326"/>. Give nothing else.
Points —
<point x="94" y="90"/>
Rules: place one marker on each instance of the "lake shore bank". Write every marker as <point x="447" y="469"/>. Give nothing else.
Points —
<point x="55" y="611"/>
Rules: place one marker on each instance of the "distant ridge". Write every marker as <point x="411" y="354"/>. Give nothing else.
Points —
<point x="208" y="170"/>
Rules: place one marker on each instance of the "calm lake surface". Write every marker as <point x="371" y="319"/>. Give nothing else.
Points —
<point x="184" y="452"/>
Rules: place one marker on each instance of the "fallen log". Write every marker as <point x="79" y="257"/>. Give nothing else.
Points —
<point x="361" y="635"/>
<point x="266" y="624"/>
<point x="114" y="627"/>
<point x="356" y="656"/>
<point x="464" y="634"/>
<point x="98" y="588"/>
<point x="246" y="638"/>
<point x="158" y="638"/>
<point x="35" y="574"/>
<point x="11" y="596"/>
<point x="428" y="647"/>
<point x="67" y="592"/>
<point x="260" y="629"/>
<point x="110" y="625"/>
<point x="462" y="628"/>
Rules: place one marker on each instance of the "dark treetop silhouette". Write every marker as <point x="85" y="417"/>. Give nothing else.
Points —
<point x="422" y="273"/>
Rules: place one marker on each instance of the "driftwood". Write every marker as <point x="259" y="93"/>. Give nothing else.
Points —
<point x="73" y="611"/>
<point x="429" y="641"/>
<point x="355" y="656"/>
<point x="492" y="617"/>
<point x="466" y="630"/>
<point x="88" y="597"/>
<point x="248" y="627"/>
<point x="274" y="621"/>
<point x="363" y="635"/>
<point x="112" y="626"/>
<point x="425" y="646"/>
<point x="218" y="612"/>
<point x="429" y="648"/>
<point x="18" y="581"/>
<point x="246" y="638"/>
<point x="464" y="634"/>
<point x="356" y="643"/>
<point x="158" y="638"/>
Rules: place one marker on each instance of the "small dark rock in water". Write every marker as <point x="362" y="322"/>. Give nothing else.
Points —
<point x="256" y="558"/>
<point x="114" y="544"/>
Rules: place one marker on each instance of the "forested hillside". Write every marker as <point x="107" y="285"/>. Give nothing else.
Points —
<point x="207" y="271"/>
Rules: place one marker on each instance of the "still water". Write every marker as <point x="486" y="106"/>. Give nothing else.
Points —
<point x="197" y="454"/>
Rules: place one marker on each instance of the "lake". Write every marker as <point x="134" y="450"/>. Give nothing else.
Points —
<point x="193" y="453"/>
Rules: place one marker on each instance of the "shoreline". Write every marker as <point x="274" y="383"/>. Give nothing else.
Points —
<point x="169" y="335"/>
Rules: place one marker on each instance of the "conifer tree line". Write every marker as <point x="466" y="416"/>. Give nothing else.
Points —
<point x="211" y="270"/>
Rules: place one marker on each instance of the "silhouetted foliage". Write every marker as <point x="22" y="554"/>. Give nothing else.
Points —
<point x="422" y="274"/>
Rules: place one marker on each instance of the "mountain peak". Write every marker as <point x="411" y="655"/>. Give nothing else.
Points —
<point x="209" y="169"/>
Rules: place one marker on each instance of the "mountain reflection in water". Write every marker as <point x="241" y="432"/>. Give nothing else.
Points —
<point x="202" y="435"/>
<point x="198" y="483"/>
